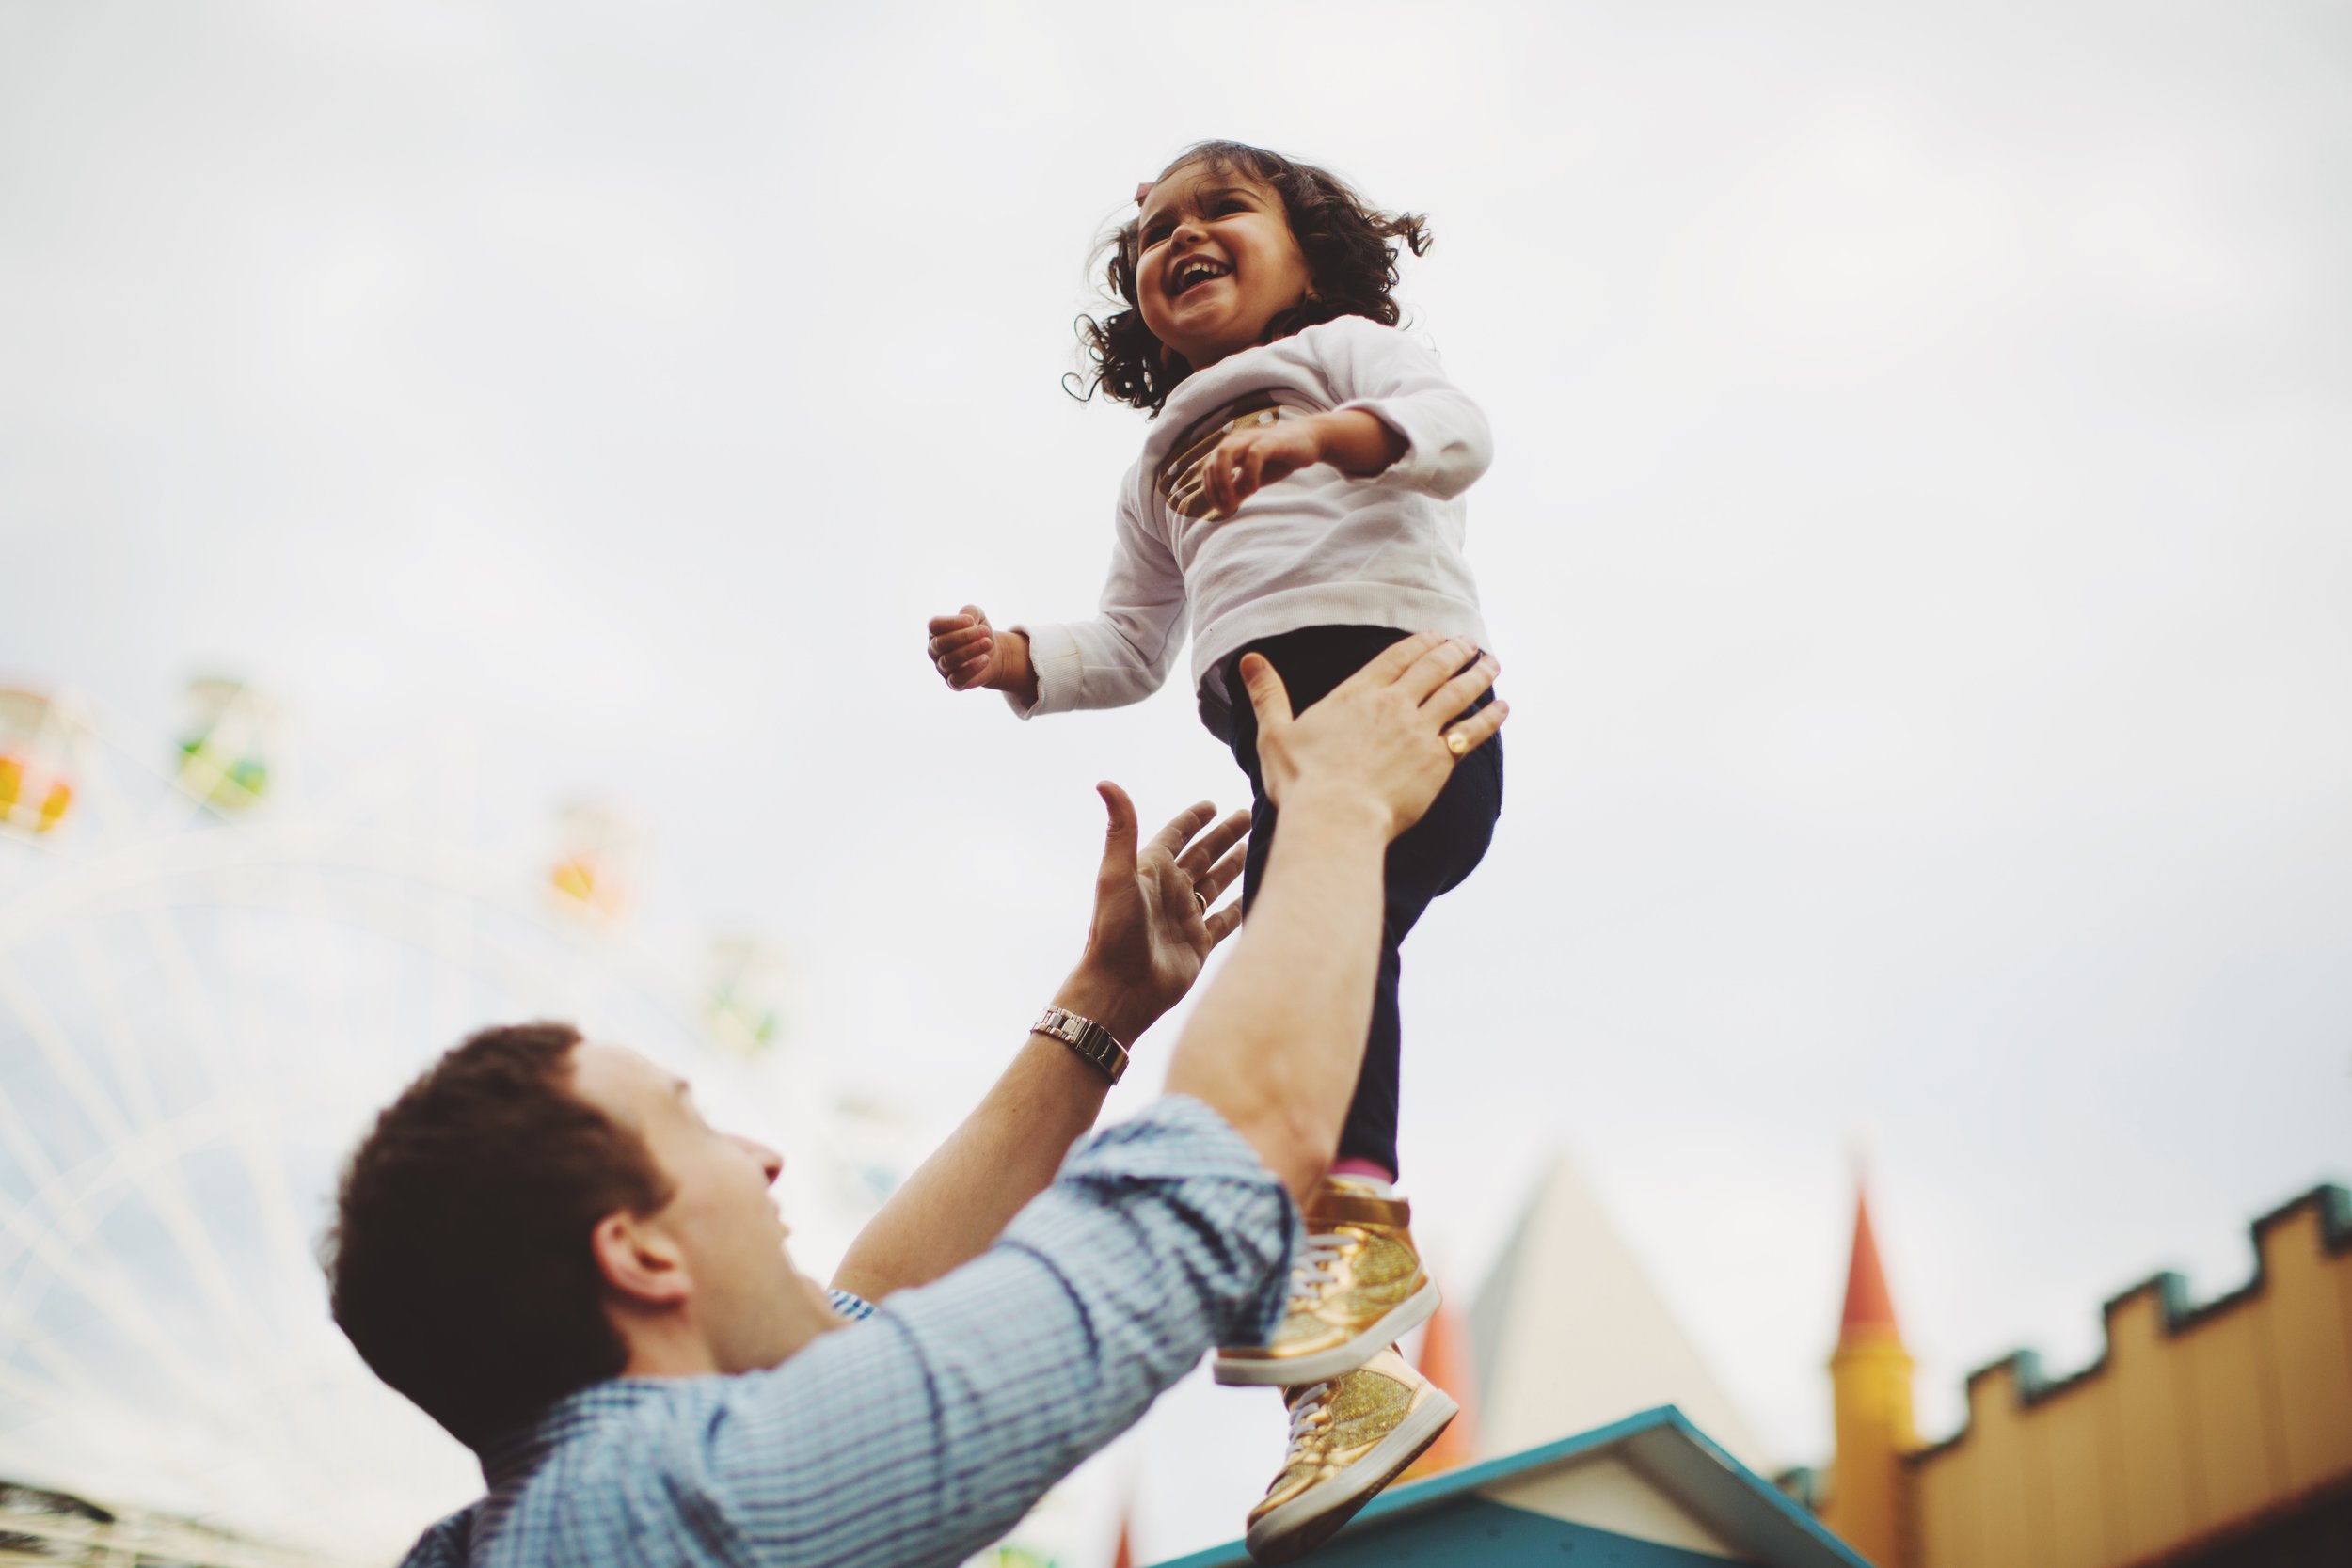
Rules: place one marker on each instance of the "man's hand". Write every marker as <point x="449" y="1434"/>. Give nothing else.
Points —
<point x="1148" y="942"/>
<point x="1351" y="441"/>
<point x="968" y="652"/>
<point x="1386" y="742"/>
<point x="1150" y="934"/>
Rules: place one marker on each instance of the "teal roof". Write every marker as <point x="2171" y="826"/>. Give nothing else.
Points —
<point x="1444" y="1519"/>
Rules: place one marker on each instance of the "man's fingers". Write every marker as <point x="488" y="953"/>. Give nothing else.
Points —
<point x="1223" y="923"/>
<point x="1211" y="844"/>
<point x="1463" y="690"/>
<point x="1391" y="661"/>
<point x="1211" y="883"/>
<point x="1119" y="832"/>
<point x="1267" y="692"/>
<point x="1171" y="840"/>
<point x="1480" y="727"/>
<point x="1432" y="669"/>
<point x="940" y="626"/>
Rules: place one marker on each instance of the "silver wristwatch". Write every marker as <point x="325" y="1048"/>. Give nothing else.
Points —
<point x="1089" y="1040"/>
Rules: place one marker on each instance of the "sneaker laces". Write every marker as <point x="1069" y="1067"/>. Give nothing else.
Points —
<point x="1307" y="1412"/>
<point x="1314" y="1273"/>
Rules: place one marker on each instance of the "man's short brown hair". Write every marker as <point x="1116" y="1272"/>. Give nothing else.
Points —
<point x="460" y="1262"/>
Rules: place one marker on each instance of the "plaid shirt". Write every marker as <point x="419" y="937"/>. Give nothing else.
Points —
<point x="925" y="1430"/>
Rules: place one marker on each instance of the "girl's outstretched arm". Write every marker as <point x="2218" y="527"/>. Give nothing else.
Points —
<point x="1352" y="440"/>
<point x="1397" y="413"/>
<point x="1122" y="654"/>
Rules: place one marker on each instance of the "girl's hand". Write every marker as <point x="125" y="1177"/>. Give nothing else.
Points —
<point x="1351" y="441"/>
<point x="1255" y="456"/>
<point x="967" y="652"/>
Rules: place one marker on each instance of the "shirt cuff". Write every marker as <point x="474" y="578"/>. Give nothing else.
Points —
<point x="1429" y="463"/>
<point x="1054" y="658"/>
<point x="849" y="1304"/>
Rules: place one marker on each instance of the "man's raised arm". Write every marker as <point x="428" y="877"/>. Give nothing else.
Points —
<point x="1163" y="1237"/>
<point x="1144" y="949"/>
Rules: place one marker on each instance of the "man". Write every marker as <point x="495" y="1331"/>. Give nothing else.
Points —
<point x="544" y="1245"/>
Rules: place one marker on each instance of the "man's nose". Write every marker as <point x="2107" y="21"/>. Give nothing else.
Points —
<point x="769" y="1160"/>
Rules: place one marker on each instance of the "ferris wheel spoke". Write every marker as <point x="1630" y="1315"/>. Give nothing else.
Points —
<point x="42" y="1029"/>
<point x="30" y="1158"/>
<point x="55" y="1223"/>
<point x="148" y="1161"/>
<point x="133" y="1077"/>
<point x="200" y="1025"/>
<point x="167" y="1198"/>
<point x="115" y="1303"/>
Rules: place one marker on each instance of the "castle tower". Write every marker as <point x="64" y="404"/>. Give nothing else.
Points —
<point x="1870" y="1383"/>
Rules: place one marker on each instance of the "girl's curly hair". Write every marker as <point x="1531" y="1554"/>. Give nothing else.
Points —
<point x="1351" y="253"/>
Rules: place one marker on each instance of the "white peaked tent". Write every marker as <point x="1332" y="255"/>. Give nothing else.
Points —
<point x="1569" y="1334"/>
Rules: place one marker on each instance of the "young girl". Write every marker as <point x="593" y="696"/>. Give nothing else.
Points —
<point x="1298" y="497"/>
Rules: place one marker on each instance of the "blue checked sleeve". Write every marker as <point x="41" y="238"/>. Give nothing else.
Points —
<point x="924" y="1431"/>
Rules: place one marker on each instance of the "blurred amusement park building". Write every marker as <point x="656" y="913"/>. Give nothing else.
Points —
<point x="212" y="974"/>
<point x="2214" y="1435"/>
<point x="2204" y="1435"/>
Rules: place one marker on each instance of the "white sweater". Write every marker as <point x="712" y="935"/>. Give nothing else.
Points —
<point x="1317" y="548"/>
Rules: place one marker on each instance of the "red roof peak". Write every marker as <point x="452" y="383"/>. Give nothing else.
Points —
<point x="1445" y="1360"/>
<point x="1869" y="1306"/>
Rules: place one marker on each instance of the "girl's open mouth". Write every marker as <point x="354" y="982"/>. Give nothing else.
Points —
<point x="1194" y="271"/>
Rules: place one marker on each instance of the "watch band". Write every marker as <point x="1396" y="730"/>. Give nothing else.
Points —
<point x="1089" y="1040"/>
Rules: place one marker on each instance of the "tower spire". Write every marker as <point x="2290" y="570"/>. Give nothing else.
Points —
<point x="1869" y="1306"/>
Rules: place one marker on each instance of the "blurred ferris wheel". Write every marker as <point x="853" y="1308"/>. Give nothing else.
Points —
<point x="211" y="976"/>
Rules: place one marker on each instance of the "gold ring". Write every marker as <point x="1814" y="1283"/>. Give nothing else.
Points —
<point x="1459" y="743"/>
<point x="1202" y="902"/>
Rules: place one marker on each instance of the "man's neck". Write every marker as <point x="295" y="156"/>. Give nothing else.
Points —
<point x="674" y="1345"/>
<point x="667" y="1357"/>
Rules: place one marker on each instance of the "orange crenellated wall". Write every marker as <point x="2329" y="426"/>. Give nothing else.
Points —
<point x="2193" y="1422"/>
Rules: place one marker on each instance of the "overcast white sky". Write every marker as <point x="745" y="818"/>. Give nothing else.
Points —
<point x="1917" y="547"/>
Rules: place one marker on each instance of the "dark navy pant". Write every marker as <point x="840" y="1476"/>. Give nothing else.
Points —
<point x="1431" y="857"/>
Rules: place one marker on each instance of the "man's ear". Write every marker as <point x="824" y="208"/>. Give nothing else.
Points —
<point x="640" y="1260"/>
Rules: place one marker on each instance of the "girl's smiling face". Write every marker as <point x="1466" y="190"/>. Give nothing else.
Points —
<point x="1215" y="262"/>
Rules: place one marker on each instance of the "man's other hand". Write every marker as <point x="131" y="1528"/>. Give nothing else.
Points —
<point x="1150" y="934"/>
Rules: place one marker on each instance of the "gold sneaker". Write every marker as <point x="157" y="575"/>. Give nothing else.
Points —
<point x="1357" y="1288"/>
<point x="1349" y="1439"/>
